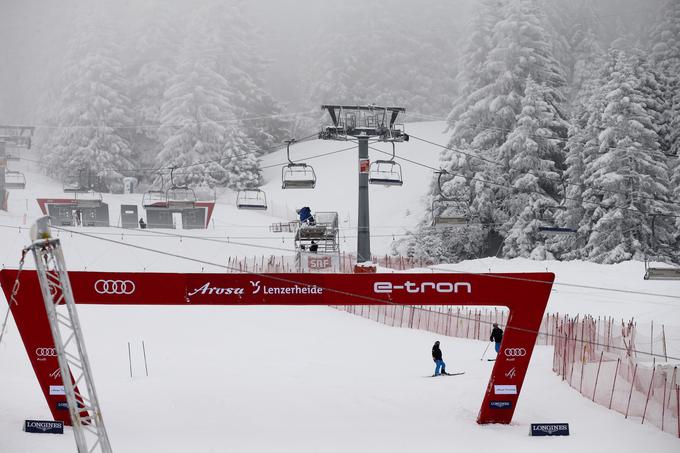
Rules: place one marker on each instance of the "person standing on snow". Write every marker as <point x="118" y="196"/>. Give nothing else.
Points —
<point x="497" y="337"/>
<point x="437" y="357"/>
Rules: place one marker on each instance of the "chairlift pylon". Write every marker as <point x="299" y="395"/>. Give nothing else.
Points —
<point x="659" y="273"/>
<point x="385" y="172"/>
<point x="442" y="207"/>
<point x="253" y="199"/>
<point x="297" y="175"/>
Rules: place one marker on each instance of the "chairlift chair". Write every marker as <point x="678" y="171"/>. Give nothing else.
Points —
<point x="448" y="212"/>
<point x="385" y="172"/>
<point x="153" y="198"/>
<point x="659" y="273"/>
<point x="254" y="199"/>
<point x="549" y="226"/>
<point x="297" y="175"/>
<point x="15" y="180"/>
<point x="79" y="185"/>
<point x="88" y="199"/>
<point x="547" y="229"/>
<point x="74" y="187"/>
<point x="547" y="216"/>
<point x="179" y="197"/>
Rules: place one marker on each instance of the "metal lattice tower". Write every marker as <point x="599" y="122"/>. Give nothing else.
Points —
<point x="86" y="416"/>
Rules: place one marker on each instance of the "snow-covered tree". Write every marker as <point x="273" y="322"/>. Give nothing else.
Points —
<point x="236" y="45"/>
<point x="199" y="131"/>
<point x="664" y="46"/>
<point x="487" y="112"/>
<point x="153" y="65"/>
<point x="628" y="178"/>
<point x="527" y="154"/>
<point x="93" y="120"/>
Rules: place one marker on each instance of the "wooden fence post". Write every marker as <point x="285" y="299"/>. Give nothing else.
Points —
<point x="583" y="364"/>
<point x="632" y="384"/>
<point x="597" y="376"/>
<point x="616" y="372"/>
<point x="663" y="338"/>
<point x="649" y="390"/>
<point x="663" y="401"/>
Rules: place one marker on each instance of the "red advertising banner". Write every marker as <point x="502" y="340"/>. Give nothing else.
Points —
<point x="364" y="165"/>
<point x="526" y="295"/>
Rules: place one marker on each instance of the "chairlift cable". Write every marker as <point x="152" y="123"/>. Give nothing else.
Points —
<point x="387" y="302"/>
<point x="483" y="181"/>
<point x="156" y="126"/>
<point x="499" y="164"/>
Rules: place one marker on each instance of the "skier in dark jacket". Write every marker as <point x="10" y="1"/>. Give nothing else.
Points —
<point x="306" y="216"/>
<point x="497" y="337"/>
<point x="437" y="357"/>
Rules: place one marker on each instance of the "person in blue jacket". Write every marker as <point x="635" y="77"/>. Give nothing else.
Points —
<point x="306" y="216"/>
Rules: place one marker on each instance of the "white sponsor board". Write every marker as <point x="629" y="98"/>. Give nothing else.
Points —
<point x="505" y="389"/>
<point x="57" y="390"/>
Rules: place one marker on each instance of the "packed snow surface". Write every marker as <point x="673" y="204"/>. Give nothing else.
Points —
<point x="309" y="379"/>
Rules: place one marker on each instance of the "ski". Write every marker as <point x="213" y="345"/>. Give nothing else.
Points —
<point x="446" y="374"/>
<point x="491" y="360"/>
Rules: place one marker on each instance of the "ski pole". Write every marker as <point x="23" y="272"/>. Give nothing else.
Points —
<point x="485" y="349"/>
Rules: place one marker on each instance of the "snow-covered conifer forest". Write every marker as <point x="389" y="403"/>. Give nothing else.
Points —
<point x="560" y="113"/>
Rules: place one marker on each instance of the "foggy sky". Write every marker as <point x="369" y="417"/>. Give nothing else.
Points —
<point x="34" y="36"/>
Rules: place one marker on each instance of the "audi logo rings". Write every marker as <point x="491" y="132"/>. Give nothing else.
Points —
<point x="46" y="352"/>
<point x="114" y="287"/>
<point x="515" y="352"/>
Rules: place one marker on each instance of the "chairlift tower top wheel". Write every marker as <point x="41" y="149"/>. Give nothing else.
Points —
<point x="363" y="121"/>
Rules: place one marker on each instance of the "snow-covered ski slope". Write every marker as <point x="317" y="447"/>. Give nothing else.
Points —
<point x="308" y="379"/>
